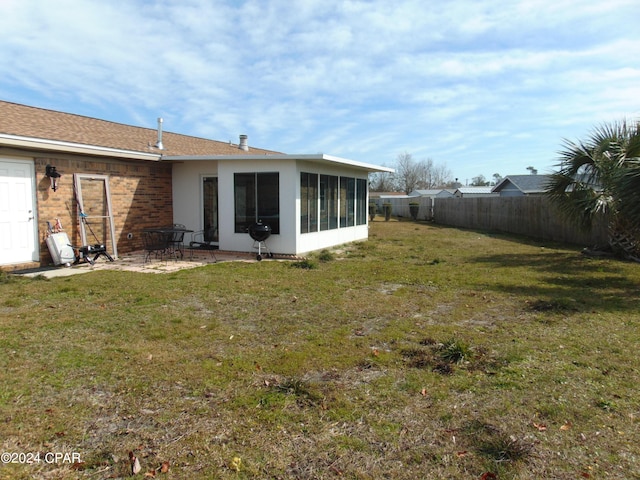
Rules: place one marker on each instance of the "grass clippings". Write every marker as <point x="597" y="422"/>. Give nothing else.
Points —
<point x="425" y="352"/>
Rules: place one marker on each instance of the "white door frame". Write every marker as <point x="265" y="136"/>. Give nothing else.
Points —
<point x="31" y="251"/>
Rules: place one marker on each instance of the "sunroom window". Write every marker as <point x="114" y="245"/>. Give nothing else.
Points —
<point x="256" y="197"/>
<point x="308" y="202"/>
<point x="347" y="201"/>
<point x="328" y="202"/>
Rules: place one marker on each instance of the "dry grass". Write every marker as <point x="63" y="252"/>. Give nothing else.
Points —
<point x="426" y="352"/>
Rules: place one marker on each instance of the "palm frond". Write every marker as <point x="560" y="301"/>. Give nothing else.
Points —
<point x="599" y="175"/>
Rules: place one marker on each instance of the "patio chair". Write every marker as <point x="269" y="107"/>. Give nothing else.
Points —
<point x="200" y="241"/>
<point x="176" y="239"/>
<point x="156" y="243"/>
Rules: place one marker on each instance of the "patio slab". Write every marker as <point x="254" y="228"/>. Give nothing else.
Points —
<point x="134" y="262"/>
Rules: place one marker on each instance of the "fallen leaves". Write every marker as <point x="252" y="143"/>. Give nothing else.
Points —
<point x="236" y="464"/>
<point x="488" y="476"/>
<point x="135" y="464"/>
<point x="540" y="426"/>
<point x="136" y="467"/>
<point x="566" y="426"/>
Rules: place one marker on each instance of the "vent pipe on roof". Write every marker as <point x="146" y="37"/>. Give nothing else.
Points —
<point x="243" y="143"/>
<point x="159" y="145"/>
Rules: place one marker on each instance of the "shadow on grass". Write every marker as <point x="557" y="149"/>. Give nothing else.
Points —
<point x="570" y="281"/>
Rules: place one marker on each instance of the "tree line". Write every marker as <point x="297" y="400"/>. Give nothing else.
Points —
<point x="412" y="175"/>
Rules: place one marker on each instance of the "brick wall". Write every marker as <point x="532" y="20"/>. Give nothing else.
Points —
<point x="141" y="197"/>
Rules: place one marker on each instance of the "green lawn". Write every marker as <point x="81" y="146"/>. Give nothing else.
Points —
<point x="425" y="352"/>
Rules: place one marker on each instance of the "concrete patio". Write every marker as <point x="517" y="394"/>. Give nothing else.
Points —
<point x="135" y="262"/>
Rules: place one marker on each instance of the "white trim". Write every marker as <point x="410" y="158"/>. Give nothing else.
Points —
<point x="69" y="147"/>
<point x="320" y="157"/>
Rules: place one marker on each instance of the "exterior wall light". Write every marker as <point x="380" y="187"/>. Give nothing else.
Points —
<point x="53" y="175"/>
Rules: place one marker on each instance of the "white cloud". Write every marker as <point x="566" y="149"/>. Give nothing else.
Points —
<point x="468" y="83"/>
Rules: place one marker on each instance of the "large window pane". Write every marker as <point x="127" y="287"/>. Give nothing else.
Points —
<point x="268" y="200"/>
<point x="245" y="200"/>
<point x="361" y="201"/>
<point x="256" y="197"/>
<point x="347" y="201"/>
<point x="328" y="202"/>
<point x="308" y="202"/>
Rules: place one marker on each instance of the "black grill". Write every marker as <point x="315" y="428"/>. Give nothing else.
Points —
<point x="259" y="232"/>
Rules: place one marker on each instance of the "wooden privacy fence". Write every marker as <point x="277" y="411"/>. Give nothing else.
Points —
<point x="532" y="216"/>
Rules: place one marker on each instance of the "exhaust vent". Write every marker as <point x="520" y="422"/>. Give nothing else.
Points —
<point x="159" y="145"/>
<point x="243" y="143"/>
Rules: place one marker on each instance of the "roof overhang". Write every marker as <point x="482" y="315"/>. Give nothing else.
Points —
<point x="44" y="144"/>
<point x="320" y="157"/>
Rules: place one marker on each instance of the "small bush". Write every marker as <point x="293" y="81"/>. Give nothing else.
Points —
<point x="495" y="444"/>
<point x="455" y="351"/>
<point x="299" y="389"/>
<point x="326" y="256"/>
<point x="505" y="448"/>
<point x="305" y="264"/>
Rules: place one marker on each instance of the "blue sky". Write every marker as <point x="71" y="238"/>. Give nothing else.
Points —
<point x="482" y="86"/>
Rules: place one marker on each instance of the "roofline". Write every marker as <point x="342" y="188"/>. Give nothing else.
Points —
<point x="283" y="156"/>
<point x="510" y="178"/>
<point x="70" y="147"/>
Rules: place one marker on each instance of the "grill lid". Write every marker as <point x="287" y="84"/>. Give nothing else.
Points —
<point x="259" y="231"/>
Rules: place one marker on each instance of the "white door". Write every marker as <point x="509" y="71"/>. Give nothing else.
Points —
<point x="18" y="225"/>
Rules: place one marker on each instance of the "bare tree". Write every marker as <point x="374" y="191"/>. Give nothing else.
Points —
<point x="441" y="176"/>
<point x="382" y="182"/>
<point x="408" y="173"/>
<point x="423" y="174"/>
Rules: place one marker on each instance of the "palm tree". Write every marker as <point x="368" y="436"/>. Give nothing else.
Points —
<point x="601" y="177"/>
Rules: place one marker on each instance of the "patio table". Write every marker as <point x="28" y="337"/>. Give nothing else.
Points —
<point x="161" y="240"/>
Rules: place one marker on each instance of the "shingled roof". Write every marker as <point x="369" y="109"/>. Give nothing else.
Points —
<point x="527" y="184"/>
<point x="39" y="123"/>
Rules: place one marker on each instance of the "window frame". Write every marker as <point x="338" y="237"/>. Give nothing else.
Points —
<point x="256" y="202"/>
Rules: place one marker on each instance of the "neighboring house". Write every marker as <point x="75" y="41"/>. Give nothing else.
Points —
<point x="521" y="185"/>
<point x="470" y="192"/>
<point x="380" y="198"/>
<point x="433" y="193"/>
<point x="127" y="178"/>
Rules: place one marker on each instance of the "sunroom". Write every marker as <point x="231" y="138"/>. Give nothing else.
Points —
<point x="311" y="202"/>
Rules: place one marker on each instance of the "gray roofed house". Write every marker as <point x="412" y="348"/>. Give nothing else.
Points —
<point x="521" y="185"/>
<point x="433" y="193"/>
<point x="473" y="191"/>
